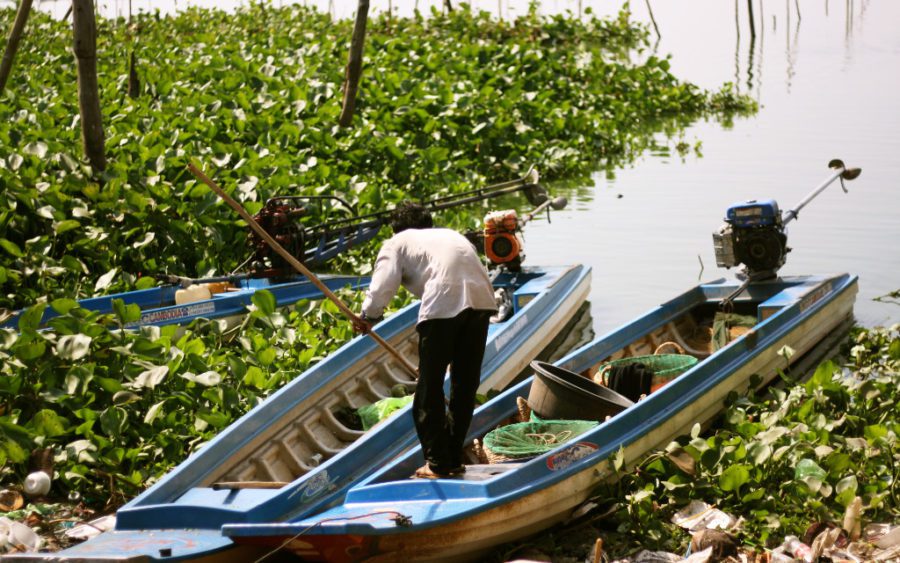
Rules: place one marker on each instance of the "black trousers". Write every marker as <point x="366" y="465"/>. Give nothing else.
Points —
<point x="458" y="343"/>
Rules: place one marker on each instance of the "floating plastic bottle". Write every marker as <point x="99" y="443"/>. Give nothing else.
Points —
<point x="37" y="484"/>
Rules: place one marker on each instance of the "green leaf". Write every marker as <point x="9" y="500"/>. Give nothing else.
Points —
<point x="113" y="421"/>
<point x="216" y="419"/>
<point x="151" y="378"/>
<point x="207" y="378"/>
<point x="734" y="477"/>
<point x="130" y="313"/>
<point x="266" y="356"/>
<point x="14" y="452"/>
<point x="264" y="301"/>
<point x="81" y="451"/>
<point x="619" y="459"/>
<point x="822" y="377"/>
<point x="30" y="320"/>
<point x="105" y="280"/>
<point x="11" y="248"/>
<point x="125" y="397"/>
<point x="193" y="346"/>
<point x="875" y="432"/>
<point x="47" y="423"/>
<point x="30" y="350"/>
<point x="255" y="377"/>
<point x="73" y="346"/>
<point x="36" y="148"/>
<point x="809" y="468"/>
<point x="109" y="384"/>
<point x="846" y="490"/>
<point x="66" y="225"/>
<point x="759" y="453"/>
<point x="63" y="305"/>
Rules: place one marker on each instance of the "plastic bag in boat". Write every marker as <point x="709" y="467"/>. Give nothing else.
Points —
<point x="370" y="415"/>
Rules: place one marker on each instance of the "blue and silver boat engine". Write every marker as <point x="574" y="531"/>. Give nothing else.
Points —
<point x="753" y="235"/>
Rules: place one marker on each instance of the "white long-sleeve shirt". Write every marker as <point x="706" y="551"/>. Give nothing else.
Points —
<point x="439" y="266"/>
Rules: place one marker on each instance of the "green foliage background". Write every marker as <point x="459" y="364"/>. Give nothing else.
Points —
<point x="447" y="103"/>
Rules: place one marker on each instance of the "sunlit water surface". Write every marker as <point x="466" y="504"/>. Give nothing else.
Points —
<point x="826" y="79"/>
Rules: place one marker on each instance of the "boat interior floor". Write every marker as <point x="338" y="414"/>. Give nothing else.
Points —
<point x="481" y="471"/>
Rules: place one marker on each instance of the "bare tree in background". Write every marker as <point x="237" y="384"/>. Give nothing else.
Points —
<point x="354" y="64"/>
<point x="12" y="43"/>
<point x="84" y="27"/>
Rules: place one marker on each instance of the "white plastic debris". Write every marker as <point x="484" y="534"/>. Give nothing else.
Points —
<point x="37" y="484"/>
<point x="702" y="556"/>
<point x="889" y="539"/>
<point x="700" y="516"/>
<point x="93" y="528"/>
<point x="15" y="535"/>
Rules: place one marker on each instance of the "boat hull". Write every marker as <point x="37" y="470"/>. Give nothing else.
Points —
<point x="158" y="305"/>
<point x="459" y="520"/>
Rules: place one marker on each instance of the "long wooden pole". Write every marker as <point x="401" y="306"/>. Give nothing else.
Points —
<point x="84" y="28"/>
<point x="12" y="43"/>
<point x="354" y="64"/>
<point x="298" y="265"/>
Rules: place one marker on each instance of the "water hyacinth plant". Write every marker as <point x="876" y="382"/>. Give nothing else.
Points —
<point x="447" y="103"/>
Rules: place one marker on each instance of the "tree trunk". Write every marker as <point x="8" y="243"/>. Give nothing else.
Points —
<point x="12" y="44"/>
<point x="354" y="64"/>
<point x="134" y="83"/>
<point x="85" y="46"/>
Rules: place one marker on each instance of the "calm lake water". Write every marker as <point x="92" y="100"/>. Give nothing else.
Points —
<point x="826" y="79"/>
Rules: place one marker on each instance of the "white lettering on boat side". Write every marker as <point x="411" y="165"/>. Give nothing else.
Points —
<point x="570" y="455"/>
<point x="314" y="486"/>
<point x="510" y="332"/>
<point x="815" y="296"/>
<point x="175" y="313"/>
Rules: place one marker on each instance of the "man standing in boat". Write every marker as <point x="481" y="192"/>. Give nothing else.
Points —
<point x="442" y="268"/>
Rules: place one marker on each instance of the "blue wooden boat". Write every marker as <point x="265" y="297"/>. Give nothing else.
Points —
<point x="226" y="299"/>
<point x="391" y="517"/>
<point x="292" y="457"/>
<point x="182" y="300"/>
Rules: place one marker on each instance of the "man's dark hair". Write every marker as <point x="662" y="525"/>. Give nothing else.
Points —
<point x="410" y="215"/>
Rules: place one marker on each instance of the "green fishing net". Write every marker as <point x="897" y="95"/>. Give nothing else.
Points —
<point x="664" y="366"/>
<point x="528" y="439"/>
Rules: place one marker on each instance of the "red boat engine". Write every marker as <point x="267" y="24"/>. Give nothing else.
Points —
<point x="502" y="244"/>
